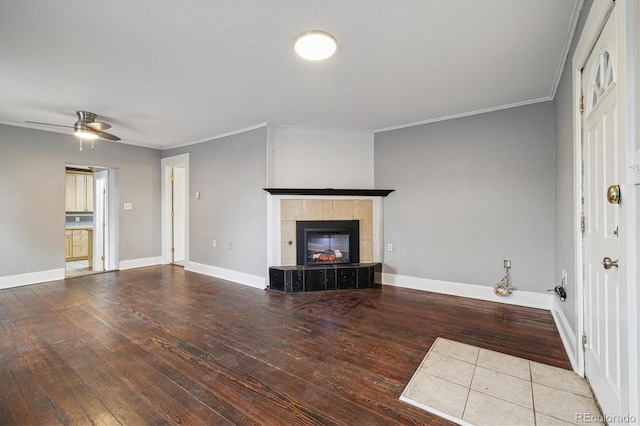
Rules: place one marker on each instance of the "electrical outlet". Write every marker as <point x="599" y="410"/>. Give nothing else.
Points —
<point x="128" y="206"/>
<point x="564" y="277"/>
<point x="389" y="247"/>
<point x="229" y="245"/>
<point x="197" y="195"/>
<point x="77" y="219"/>
<point x="215" y="243"/>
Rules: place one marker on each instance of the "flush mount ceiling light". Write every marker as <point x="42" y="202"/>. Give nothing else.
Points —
<point x="315" y="45"/>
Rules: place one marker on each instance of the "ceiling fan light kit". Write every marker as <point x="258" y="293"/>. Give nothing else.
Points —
<point x="84" y="132"/>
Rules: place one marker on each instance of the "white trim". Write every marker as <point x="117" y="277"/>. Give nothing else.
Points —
<point x="227" y="275"/>
<point x="473" y="291"/>
<point x="567" y="45"/>
<point x="73" y="138"/>
<point x="165" y="163"/>
<point x="568" y="337"/>
<point x="211" y="138"/>
<point x="464" y="114"/>
<point x="140" y="263"/>
<point x="31" y="278"/>
<point x="591" y="31"/>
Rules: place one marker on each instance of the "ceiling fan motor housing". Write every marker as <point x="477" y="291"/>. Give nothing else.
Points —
<point x="85" y="117"/>
<point x="81" y="128"/>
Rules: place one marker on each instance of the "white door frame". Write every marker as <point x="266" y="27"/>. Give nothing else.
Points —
<point x="166" y="165"/>
<point x="627" y="30"/>
<point x="101" y="239"/>
<point x="113" y="218"/>
<point x="179" y="214"/>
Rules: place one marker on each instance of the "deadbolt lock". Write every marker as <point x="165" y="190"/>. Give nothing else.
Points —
<point x="613" y="194"/>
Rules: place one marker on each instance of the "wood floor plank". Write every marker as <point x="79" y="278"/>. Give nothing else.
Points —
<point x="122" y="401"/>
<point x="14" y="306"/>
<point x="161" y="345"/>
<point x="13" y="405"/>
<point x="161" y="353"/>
<point x="157" y="389"/>
<point x="32" y="300"/>
<point x="41" y="408"/>
<point x="47" y="368"/>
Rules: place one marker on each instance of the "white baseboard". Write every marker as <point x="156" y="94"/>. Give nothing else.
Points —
<point x="519" y="297"/>
<point x="140" y="263"/>
<point x="227" y="274"/>
<point x="567" y="335"/>
<point x="31" y="278"/>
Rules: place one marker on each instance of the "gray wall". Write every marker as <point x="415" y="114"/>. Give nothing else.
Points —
<point x="230" y="173"/>
<point x="32" y="197"/>
<point x="564" y="204"/>
<point x="471" y="192"/>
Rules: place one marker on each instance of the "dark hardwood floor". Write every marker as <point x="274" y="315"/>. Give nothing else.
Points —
<point x="159" y="345"/>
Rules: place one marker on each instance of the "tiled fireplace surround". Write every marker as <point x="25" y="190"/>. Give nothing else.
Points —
<point x="286" y="209"/>
<point x="292" y="210"/>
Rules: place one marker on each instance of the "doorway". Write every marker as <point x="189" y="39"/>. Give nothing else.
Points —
<point x="90" y="219"/>
<point x="604" y="245"/>
<point x="175" y="210"/>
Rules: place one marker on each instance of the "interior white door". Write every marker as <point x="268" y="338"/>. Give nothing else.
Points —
<point x="100" y="220"/>
<point x="179" y="213"/>
<point x="605" y="293"/>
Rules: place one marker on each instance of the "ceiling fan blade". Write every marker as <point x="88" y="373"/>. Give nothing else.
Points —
<point x="98" y="125"/>
<point x="48" y="124"/>
<point x="105" y="135"/>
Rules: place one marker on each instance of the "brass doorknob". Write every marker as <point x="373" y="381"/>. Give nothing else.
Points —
<point x="608" y="263"/>
<point x="613" y="194"/>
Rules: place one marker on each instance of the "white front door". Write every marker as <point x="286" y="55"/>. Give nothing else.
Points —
<point x="605" y="292"/>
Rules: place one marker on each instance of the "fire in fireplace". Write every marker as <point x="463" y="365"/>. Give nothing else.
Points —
<point x="327" y="242"/>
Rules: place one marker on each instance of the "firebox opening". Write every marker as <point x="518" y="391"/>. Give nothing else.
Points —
<point x="327" y="242"/>
<point x="327" y="247"/>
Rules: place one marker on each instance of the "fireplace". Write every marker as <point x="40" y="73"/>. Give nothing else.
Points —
<point x="335" y="216"/>
<point x="327" y="242"/>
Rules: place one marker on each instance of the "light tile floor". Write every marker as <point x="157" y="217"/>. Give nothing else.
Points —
<point x="473" y="386"/>
<point x="78" y="268"/>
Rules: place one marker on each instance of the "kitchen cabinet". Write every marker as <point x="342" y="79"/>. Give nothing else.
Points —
<point x="68" y="235"/>
<point x="79" y="244"/>
<point x="79" y="192"/>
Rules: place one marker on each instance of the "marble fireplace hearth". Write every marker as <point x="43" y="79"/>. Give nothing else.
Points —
<point x="293" y="279"/>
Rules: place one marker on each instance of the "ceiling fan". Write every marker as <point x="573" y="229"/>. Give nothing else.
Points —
<point x="86" y="127"/>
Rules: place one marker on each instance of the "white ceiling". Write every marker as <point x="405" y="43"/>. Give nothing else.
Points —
<point x="171" y="73"/>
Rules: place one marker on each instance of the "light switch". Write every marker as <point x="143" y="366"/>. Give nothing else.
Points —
<point x="198" y="195"/>
<point x="128" y="206"/>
